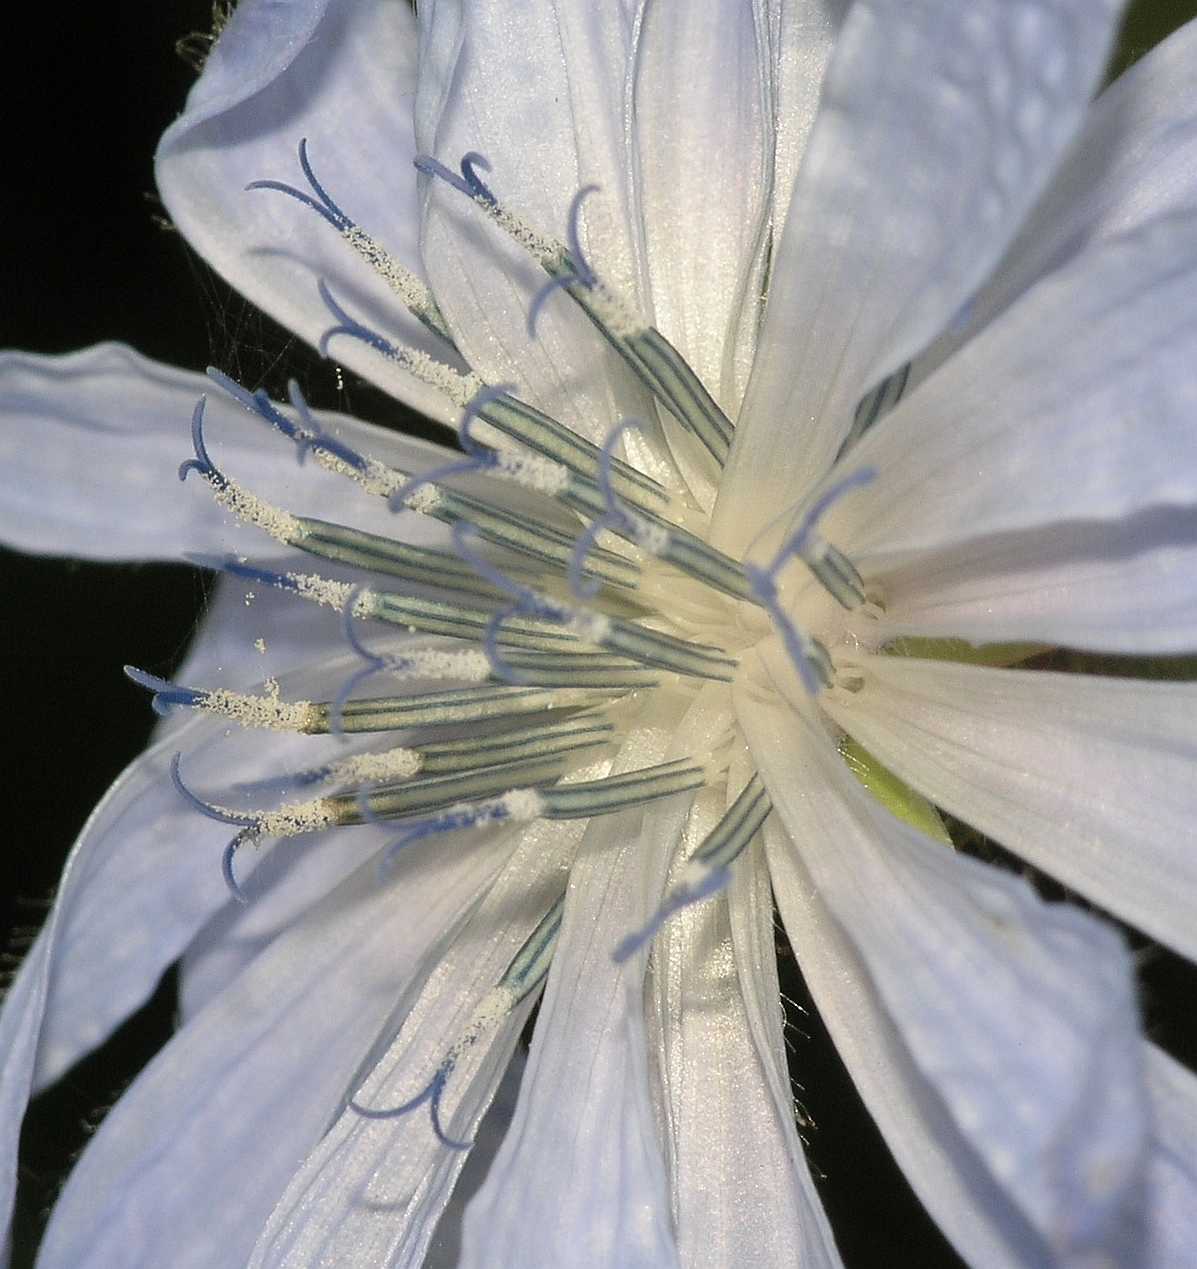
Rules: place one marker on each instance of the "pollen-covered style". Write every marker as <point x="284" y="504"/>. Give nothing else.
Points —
<point x="788" y="442"/>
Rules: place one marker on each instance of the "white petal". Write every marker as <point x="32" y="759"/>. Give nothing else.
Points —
<point x="373" y="1189"/>
<point x="20" y="1025"/>
<point x="1123" y="586"/>
<point x="1131" y="162"/>
<point x="794" y="45"/>
<point x="1075" y="405"/>
<point x="939" y="125"/>
<point x="92" y="444"/>
<point x="342" y="75"/>
<point x="945" y="1173"/>
<point x="701" y="102"/>
<point x="741" y="1190"/>
<point x="1089" y="779"/>
<point x="584" y="1102"/>
<point x="750" y="907"/>
<point x="802" y="36"/>
<point x="741" y="1193"/>
<point x="539" y="90"/>
<point x="189" y="1163"/>
<point x="1173" y="1211"/>
<point x="1020" y="1015"/>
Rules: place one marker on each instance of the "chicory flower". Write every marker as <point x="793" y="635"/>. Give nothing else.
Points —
<point x="783" y="446"/>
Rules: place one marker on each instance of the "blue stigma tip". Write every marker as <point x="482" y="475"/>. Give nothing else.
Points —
<point x="795" y="542"/>
<point x="322" y="204"/>
<point x="374" y="665"/>
<point x="468" y="183"/>
<point x="226" y="866"/>
<point x="307" y="435"/>
<point x="205" y="808"/>
<point x="585" y="274"/>
<point x="350" y="326"/>
<point x="559" y="283"/>
<point x="238" y="568"/>
<point x="351" y="636"/>
<point x="527" y="604"/>
<point x="336" y="713"/>
<point x="431" y="1094"/>
<point x="490" y="646"/>
<point x="202" y="462"/>
<point x="580" y="586"/>
<point x="313" y="436"/>
<point x="251" y="401"/>
<point x="166" y="693"/>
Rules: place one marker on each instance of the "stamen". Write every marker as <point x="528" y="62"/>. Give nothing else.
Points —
<point x="636" y="642"/>
<point x="541" y="741"/>
<point x="533" y="471"/>
<point x="657" y="537"/>
<point x="527" y="425"/>
<point x="266" y="711"/>
<point x="459" y="388"/>
<point x="468" y="664"/>
<point x="428" y="616"/>
<point x="247" y="507"/>
<point x="530" y="965"/>
<point x="285" y="821"/>
<point x="651" y="357"/>
<point x="399" y="763"/>
<point x="415" y="296"/>
<point x="417" y="564"/>
<point x="544" y="542"/>
<point x="461" y="706"/>
<point x="625" y="791"/>
<point x="580" y="669"/>
<point x="524" y="975"/>
<point x="583" y="800"/>
<point x="420" y="565"/>
<point x="708" y="870"/>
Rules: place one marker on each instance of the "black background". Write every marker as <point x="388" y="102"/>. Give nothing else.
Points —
<point x="88" y="258"/>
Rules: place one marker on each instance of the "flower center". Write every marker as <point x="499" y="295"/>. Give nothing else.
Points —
<point x="546" y="630"/>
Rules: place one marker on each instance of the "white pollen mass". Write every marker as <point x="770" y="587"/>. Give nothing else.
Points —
<point x="267" y="711"/>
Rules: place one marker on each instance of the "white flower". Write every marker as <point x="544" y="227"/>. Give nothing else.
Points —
<point x="1034" y="484"/>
